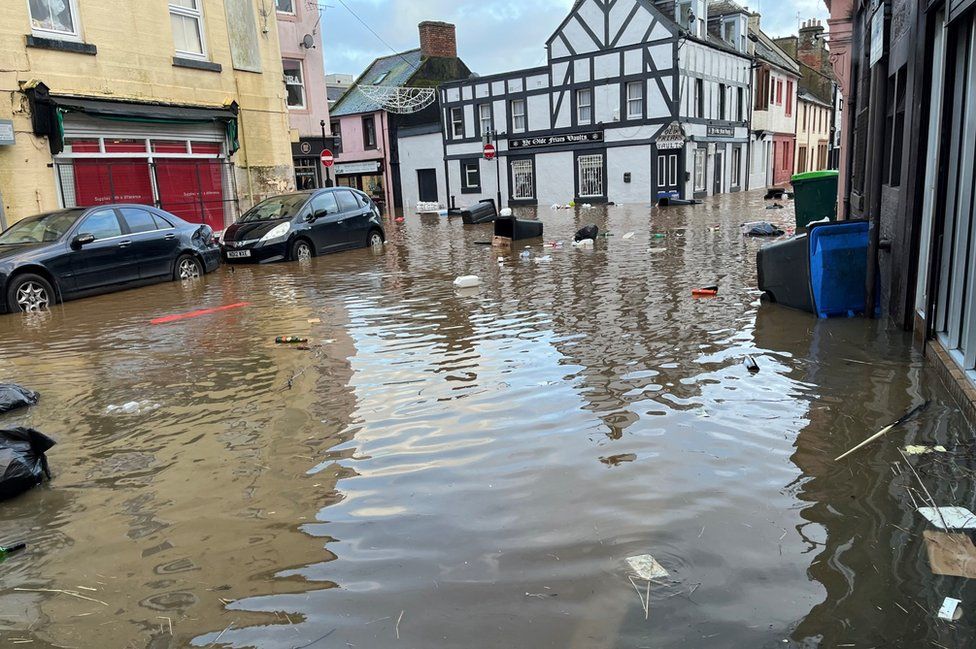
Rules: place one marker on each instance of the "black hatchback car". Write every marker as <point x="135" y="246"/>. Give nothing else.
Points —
<point x="75" y="252"/>
<point x="302" y="225"/>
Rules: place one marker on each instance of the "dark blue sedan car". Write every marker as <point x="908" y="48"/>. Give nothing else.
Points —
<point x="304" y="224"/>
<point x="71" y="253"/>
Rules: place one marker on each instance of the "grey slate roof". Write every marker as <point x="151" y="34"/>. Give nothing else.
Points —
<point x="398" y="72"/>
<point x="768" y="51"/>
<point x="812" y="98"/>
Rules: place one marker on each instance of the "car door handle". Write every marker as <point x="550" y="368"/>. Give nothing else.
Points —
<point x="124" y="244"/>
<point x="170" y="236"/>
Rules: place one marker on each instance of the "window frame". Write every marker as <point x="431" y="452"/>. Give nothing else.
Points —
<point x="371" y="121"/>
<point x="512" y="162"/>
<point x="630" y="100"/>
<point x="702" y="154"/>
<point x="524" y="115"/>
<point x="464" y="166"/>
<point x="481" y="118"/>
<point x="301" y="84"/>
<point x="197" y="15"/>
<point x="580" y="106"/>
<point x="580" y="156"/>
<point x="79" y="229"/>
<point x="294" y="9"/>
<point x="456" y="133"/>
<point x="736" y="164"/>
<point x="152" y="218"/>
<point x="42" y="32"/>
<point x="700" y="98"/>
<point x="723" y="104"/>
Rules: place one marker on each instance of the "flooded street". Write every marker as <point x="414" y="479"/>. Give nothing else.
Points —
<point x="470" y="469"/>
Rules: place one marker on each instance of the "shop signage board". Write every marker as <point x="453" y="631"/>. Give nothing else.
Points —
<point x="877" y="35"/>
<point x="720" y="131"/>
<point x="6" y="132"/>
<point x="555" y="140"/>
<point x="672" y="137"/>
<point x="357" y="167"/>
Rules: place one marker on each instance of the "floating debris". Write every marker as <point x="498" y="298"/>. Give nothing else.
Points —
<point x="467" y="281"/>
<point x="924" y="450"/>
<point x="629" y="235"/>
<point x="646" y="567"/>
<point x="133" y="407"/>
<point x="950" y="610"/>
<point x="615" y="460"/>
<point x="950" y="554"/>
<point x="751" y="364"/>
<point x="290" y="340"/>
<point x="884" y="430"/>
<point x="949" y="518"/>
<point x="542" y="259"/>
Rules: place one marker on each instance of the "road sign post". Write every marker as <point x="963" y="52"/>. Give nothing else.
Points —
<point x="327" y="160"/>
<point x="491" y="153"/>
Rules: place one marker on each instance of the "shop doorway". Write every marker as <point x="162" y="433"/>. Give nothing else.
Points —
<point x="427" y="185"/>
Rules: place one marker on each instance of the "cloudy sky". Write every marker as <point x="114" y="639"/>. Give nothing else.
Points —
<point x="493" y="35"/>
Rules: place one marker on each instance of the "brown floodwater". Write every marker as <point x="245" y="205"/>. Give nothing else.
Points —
<point x="471" y="469"/>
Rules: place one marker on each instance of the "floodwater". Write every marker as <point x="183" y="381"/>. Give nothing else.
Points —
<point x="446" y="469"/>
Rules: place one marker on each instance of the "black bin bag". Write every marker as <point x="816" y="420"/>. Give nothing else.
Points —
<point x="22" y="461"/>
<point x="15" y="396"/>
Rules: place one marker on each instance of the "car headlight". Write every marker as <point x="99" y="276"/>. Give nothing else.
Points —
<point x="276" y="232"/>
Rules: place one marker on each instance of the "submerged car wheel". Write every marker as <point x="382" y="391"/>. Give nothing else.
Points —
<point x="188" y="267"/>
<point x="30" y="293"/>
<point x="375" y="239"/>
<point x="301" y="250"/>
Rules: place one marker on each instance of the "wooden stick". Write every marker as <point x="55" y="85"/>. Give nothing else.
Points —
<point x="883" y="431"/>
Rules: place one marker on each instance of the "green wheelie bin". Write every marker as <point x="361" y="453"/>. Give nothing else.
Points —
<point x="815" y="196"/>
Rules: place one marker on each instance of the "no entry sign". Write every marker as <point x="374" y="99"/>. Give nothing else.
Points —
<point x="327" y="159"/>
<point x="489" y="151"/>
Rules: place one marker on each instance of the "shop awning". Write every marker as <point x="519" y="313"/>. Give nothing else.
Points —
<point x="48" y="111"/>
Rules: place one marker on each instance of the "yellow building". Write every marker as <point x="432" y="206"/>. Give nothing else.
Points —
<point x="177" y="103"/>
<point x="812" y="133"/>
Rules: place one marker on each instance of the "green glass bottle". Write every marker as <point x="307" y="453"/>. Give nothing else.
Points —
<point x="6" y="551"/>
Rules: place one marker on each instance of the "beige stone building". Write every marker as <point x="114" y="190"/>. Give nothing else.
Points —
<point x="813" y="131"/>
<point x="177" y="103"/>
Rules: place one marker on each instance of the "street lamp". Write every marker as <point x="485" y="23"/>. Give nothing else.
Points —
<point x="328" y="174"/>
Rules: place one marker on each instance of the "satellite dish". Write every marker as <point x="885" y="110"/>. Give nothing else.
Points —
<point x="308" y="42"/>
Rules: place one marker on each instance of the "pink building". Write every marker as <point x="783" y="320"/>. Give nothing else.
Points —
<point x="367" y="155"/>
<point x="300" y="36"/>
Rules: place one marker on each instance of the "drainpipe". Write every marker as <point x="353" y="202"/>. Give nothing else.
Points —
<point x="877" y="138"/>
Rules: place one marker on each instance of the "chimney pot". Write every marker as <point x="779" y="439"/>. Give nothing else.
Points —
<point x="438" y="40"/>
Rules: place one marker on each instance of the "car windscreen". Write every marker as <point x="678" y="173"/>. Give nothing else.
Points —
<point x="43" y="228"/>
<point x="275" y="208"/>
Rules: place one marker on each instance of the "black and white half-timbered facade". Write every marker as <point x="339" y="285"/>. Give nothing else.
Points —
<point x="637" y="100"/>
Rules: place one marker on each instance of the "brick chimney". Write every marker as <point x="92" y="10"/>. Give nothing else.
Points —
<point x="810" y="45"/>
<point x="438" y="40"/>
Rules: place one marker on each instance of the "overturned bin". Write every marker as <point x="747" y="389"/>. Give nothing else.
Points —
<point x="509" y="227"/>
<point x="481" y="212"/>
<point x="822" y="271"/>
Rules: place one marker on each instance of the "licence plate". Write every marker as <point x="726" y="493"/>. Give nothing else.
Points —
<point x="238" y="254"/>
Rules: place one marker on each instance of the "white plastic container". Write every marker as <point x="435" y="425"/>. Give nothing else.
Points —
<point x="467" y="281"/>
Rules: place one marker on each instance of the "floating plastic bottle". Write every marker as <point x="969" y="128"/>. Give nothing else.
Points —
<point x="467" y="281"/>
<point x="290" y="340"/>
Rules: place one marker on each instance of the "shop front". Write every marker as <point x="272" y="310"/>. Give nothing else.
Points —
<point x="307" y="158"/>
<point x="366" y="176"/>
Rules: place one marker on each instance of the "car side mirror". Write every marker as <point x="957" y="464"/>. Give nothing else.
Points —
<point x="82" y="240"/>
<point x="320" y="214"/>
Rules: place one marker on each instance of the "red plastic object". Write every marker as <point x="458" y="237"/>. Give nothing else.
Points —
<point x="399" y="219"/>
<point x="196" y="314"/>
<point x="704" y="292"/>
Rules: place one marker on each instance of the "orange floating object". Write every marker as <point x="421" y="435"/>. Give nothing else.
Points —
<point x="197" y="314"/>
<point x="704" y="292"/>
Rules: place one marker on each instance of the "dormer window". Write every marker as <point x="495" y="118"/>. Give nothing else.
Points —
<point x="684" y="14"/>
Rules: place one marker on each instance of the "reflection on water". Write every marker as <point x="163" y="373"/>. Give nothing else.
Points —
<point x="469" y="469"/>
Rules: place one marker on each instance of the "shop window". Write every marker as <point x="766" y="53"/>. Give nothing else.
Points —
<point x="700" y="170"/>
<point x="518" y="115"/>
<point x="457" y="124"/>
<point x="635" y="100"/>
<point x="470" y="176"/>
<point x="285" y="6"/>
<point x="124" y="146"/>
<point x="736" y="165"/>
<point x="82" y="145"/>
<point x="584" y="106"/>
<point x="590" y="176"/>
<point x="206" y="148"/>
<point x="168" y="146"/>
<point x="294" y="83"/>
<point x="369" y="132"/>
<point x="699" y="98"/>
<point x="186" y="18"/>
<point x="484" y="118"/>
<point x="523" y="180"/>
<point x="55" y="18"/>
